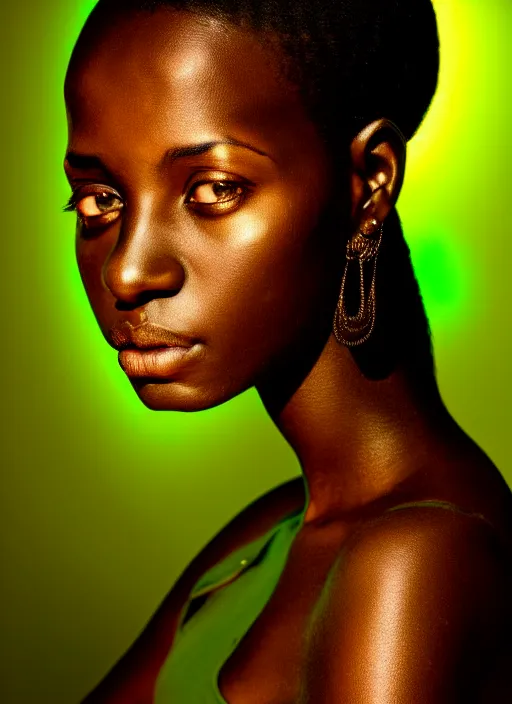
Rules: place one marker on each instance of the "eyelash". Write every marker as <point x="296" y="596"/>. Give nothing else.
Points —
<point x="93" y="221"/>
<point x="201" y="208"/>
<point x="70" y="205"/>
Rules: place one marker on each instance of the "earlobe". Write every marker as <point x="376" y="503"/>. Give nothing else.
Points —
<point x="378" y="154"/>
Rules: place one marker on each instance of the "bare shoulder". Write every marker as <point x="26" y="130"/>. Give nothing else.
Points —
<point x="132" y="678"/>
<point x="429" y="538"/>
<point x="413" y="594"/>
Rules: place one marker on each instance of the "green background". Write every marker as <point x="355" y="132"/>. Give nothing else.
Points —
<point x="104" y="501"/>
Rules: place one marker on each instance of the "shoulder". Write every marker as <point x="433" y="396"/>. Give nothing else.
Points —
<point x="435" y="552"/>
<point x="413" y="593"/>
<point x="439" y="533"/>
<point x="132" y="678"/>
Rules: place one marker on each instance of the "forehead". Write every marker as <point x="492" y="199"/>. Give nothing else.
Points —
<point x="152" y="79"/>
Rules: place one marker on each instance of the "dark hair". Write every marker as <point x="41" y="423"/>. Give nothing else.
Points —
<point x="354" y="61"/>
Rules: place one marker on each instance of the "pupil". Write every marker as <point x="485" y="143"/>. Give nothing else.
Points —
<point x="221" y="188"/>
<point x="104" y="201"/>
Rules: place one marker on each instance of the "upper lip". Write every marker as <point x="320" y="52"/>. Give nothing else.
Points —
<point x="146" y="336"/>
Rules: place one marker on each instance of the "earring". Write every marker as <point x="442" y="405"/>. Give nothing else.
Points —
<point x="352" y="330"/>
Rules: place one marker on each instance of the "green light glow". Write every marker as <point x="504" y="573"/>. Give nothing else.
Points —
<point x="459" y="142"/>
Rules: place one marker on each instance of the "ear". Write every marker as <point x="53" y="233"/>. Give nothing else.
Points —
<point x="378" y="155"/>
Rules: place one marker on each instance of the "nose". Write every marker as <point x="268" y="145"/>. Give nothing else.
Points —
<point x="142" y="265"/>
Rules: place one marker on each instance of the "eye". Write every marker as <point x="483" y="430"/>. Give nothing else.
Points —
<point x="215" y="192"/>
<point x="95" y="208"/>
<point x="214" y="197"/>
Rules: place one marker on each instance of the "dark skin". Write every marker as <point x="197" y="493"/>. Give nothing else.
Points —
<point x="238" y="248"/>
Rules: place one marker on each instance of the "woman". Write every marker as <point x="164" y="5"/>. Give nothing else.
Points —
<point x="235" y="169"/>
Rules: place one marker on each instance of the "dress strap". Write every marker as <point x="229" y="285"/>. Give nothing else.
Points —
<point x="436" y="503"/>
<point x="231" y="567"/>
<point x="242" y="559"/>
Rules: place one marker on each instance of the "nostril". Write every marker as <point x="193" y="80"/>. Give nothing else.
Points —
<point x="144" y="297"/>
<point x="136" y="271"/>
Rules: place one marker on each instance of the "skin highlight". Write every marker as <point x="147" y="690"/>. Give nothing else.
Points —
<point x="217" y="213"/>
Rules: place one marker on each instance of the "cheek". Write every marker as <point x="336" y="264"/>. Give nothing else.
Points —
<point x="91" y="253"/>
<point x="273" y="274"/>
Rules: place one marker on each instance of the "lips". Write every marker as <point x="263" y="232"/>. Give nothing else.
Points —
<point x="146" y="336"/>
<point x="156" y="363"/>
<point x="149" y="350"/>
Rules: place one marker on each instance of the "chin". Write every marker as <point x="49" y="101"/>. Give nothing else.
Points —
<point x="179" y="396"/>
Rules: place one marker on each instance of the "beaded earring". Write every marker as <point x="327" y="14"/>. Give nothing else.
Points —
<point x="363" y="247"/>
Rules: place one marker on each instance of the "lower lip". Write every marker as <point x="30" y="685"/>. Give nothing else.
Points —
<point x="158" y="362"/>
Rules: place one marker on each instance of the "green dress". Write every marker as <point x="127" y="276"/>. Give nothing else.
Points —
<point x="204" y="643"/>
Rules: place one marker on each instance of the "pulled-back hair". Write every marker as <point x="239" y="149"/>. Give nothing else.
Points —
<point x="354" y="61"/>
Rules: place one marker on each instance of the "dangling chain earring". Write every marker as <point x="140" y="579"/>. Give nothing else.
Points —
<point x="352" y="330"/>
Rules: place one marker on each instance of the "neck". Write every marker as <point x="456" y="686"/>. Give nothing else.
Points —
<point x="356" y="439"/>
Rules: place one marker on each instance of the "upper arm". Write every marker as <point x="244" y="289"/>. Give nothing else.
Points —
<point x="413" y="598"/>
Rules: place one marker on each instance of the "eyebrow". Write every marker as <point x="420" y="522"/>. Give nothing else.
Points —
<point x="196" y="149"/>
<point x="84" y="161"/>
<point x="87" y="162"/>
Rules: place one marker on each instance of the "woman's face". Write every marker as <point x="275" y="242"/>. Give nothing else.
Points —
<point x="200" y="184"/>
